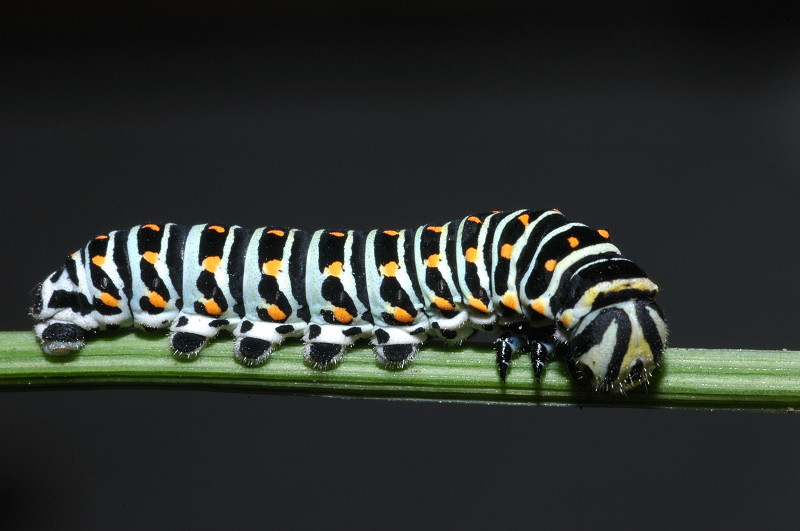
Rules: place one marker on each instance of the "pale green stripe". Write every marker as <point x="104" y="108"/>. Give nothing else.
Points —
<point x="690" y="378"/>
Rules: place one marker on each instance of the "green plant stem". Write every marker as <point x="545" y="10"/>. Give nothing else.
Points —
<point x="688" y="378"/>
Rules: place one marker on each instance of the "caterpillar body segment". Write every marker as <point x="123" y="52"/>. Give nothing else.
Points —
<point x="544" y="285"/>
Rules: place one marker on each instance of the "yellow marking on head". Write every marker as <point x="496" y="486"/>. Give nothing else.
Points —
<point x="150" y="256"/>
<point x="550" y="265"/>
<point x="216" y="228"/>
<point x="342" y="315"/>
<point x="638" y="284"/>
<point x="434" y="228"/>
<point x="474" y="219"/>
<point x="471" y="255"/>
<point x="524" y="218"/>
<point x="391" y="232"/>
<point x="539" y="306"/>
<point x="443" y="304"/>
<point x="603" y="233"/>
<point x="402" y="315"/>
<point x="272" y="267"/>
<point x="157" y="300"/>
<point x="277" y="232"/>
<point x="638" y="347"/>
<point x="211" y="263"/>
<point x="335" y="268"/>
<point x="101" y="237"/>
<point x="390" y="269"/>
<point x="109" y="299"/>
<point x="275" y="313"/>
<point x="506" y="250"/>
<point x="337" y="234"/>
<point x="573" y="241"/>
<point x="98" y="260"/>
<point x="152" y="226"/>
<point x="478" y="304"/>
<point x="212" y="307"/>
<point x="433" y="260"/>
<point x="510" y="300"/>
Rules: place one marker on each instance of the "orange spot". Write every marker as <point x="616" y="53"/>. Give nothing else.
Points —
<point x="524" y="218"/>
<point x="211" y="263"/>
<point x="471" y="255"/>
<point x="277" y="232"/>
<point x="478" y="305"/>
<point x="538" y="306"/>
<point x="73" y="255"/>
<point x="557" y="210"/>
<point x="510" y="300"/>
<point x="495" y="211"/>
<point x="212" y="307"/>
<point x="433" y="228"/>
<point x="152" y="226"/>
<point x="151" y="257"/>
<point x="335" y="268"/>
<point x="603" y="233"/>
<point x="474" y="219"/>
<point x="98" y="260"/>
<point x="271" y="267"/>
<point x="506" y="250"/>
<point x="390" y="269"/>
<point x="433" y="260"/>
<point x="216" y="228"/>
<point x="157" y="300"/>
<point x="109" y="300"/>
<point x="101" y="237"/>
<point x="573" y="241"/>
<point x="550" y="265"/>
<point x="338" y="234"/>
<point x="342" y="315"/>
<point x="402" y="315"/>
<point x="391" y="232"/>
<point x="275" y="313"/>
<point x="566" y="320"/>
<point x="443" y="304"/>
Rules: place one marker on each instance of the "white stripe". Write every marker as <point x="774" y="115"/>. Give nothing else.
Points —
<point x="570" y="259"/>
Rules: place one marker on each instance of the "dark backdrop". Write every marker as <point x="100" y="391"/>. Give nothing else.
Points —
<point x="675" y="129"/>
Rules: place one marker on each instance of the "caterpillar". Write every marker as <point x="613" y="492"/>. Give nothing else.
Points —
<point x="541" y="284"/>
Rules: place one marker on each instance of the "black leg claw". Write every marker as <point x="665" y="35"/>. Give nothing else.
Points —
<point x="539" y="356"/>
<point x="506" y="346"/>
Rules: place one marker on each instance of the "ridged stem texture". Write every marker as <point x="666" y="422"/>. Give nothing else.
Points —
<point x="687" y="378"/>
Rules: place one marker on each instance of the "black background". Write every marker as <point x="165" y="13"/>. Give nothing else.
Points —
<point x="674" y="128"/>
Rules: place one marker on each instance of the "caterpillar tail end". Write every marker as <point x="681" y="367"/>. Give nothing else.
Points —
<point x="60" y="339"/>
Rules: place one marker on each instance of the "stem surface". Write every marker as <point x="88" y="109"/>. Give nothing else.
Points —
<point x="687" y="378"/>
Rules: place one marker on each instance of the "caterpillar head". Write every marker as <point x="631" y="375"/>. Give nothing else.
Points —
<point x="617" y="347"/>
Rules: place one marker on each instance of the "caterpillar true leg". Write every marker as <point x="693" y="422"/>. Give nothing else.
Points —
<point x="506" y="347"/>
